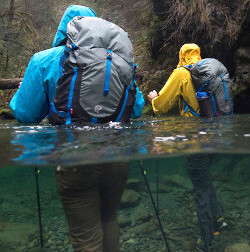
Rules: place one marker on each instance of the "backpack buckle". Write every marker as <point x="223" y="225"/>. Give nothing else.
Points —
<point x="61" y="114"/>
<point x="109" y="55"/>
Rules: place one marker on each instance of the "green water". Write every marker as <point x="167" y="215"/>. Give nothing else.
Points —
<point x="162" y="144"/>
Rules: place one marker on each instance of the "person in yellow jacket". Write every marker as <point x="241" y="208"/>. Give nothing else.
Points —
<point x="179" y="85"/>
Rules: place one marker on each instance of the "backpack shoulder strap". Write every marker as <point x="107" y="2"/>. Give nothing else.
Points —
<point x="188" y="107"/>
<point x="188" y="67"/>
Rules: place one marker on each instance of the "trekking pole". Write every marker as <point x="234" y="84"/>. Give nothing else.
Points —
<point x="153" y="203"/>
<point x="38" y="205"/>
<point x="157" y="186"/>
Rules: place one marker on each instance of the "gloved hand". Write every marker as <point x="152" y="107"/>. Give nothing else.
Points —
<point x="152" y="95"/>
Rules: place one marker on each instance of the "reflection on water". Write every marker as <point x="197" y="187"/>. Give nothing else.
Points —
<point x="150" y="137"/>
<point x="196" y="171"/>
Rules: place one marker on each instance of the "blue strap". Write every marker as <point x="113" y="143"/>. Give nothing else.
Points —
<point x="108" y="69"/>
<point x="60" y="113"/>
<point x="224" y="84"/>
<point x="188" y="107"/>
<point x="123" y="105"/>
<point x="94" y="120"/>
<point x="214" y="105"/>
<point x="65" y="55"/>
<point x="125" y="99"/>
<point x="200" y="95"/>
<point x="189" y="66"/>
<point x="71" y="92"/>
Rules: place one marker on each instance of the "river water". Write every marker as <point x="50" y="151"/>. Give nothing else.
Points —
<point x="159" y="147"/>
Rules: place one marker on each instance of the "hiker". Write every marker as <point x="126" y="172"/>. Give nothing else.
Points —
<point x="186" y="84"/>
<point x="203" y="87"/>
<point x="32" y="101"/>
<point x="90" y="193"/>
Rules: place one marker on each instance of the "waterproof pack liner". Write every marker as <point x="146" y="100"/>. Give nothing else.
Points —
<point x="98" y="82"/>
<point x="214" y="87"/>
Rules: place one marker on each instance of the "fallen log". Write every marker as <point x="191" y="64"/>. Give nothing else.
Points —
<point x="10" y="83"/>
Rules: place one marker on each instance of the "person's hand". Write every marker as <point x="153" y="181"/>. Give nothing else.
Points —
<point x="152" y="95"/>
<point x="20" y="83"/>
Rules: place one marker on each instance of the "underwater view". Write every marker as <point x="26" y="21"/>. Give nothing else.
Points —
<point x="174" y="164"/>
<point x="163" y="164"/>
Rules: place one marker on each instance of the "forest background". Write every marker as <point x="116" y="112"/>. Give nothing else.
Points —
<point x="158" y="29"/>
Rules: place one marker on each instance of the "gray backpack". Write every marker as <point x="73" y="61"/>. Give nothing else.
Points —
<point x="214" y="87"/>
<point x="98" y="83"/>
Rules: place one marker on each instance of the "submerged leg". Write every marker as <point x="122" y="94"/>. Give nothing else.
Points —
<point x="111" y="190"/>
<point x="207" y="206"/>
<point x="81" y="202"/>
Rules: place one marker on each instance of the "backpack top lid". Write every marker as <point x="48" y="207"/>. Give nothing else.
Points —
<point x="94" y="32"/>
<point x="208" y="72"/>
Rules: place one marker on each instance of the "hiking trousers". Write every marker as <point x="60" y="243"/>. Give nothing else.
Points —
<point x="208" y="207"/>
<point x="90" y="196"/>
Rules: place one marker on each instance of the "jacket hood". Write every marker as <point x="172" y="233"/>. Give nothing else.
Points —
<point x="189" y="54"/>
<point x="71" y="12"/>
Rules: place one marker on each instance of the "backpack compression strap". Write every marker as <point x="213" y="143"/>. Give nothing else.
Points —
<point x="60" y="113"/>
<point x="65" y="55"/>
<point x="108" y="70"/>
<point x="71" y="93"/>
<point x="214" y="105"/>
<point x="126" y="95"/>
<point x="224" y="85"/>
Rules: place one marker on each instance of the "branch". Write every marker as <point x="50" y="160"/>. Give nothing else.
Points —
<point x="10" y="83"/>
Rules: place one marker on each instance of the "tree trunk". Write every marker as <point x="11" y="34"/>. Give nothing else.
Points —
<point x="11" y="13"/>
<point x="10" y="83"/>
<point x="6" y="37"/>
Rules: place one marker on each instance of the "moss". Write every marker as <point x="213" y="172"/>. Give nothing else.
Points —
<point x="5" y="97"/>
<point x="6" y="114"/>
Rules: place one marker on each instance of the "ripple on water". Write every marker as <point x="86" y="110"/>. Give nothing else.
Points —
<point x="142" y="138"/>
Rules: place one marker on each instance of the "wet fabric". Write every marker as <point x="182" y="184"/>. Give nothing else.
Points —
<point x="179" y="85"/>
<point x="207" y="206"/>
<point x="90" y="197"/>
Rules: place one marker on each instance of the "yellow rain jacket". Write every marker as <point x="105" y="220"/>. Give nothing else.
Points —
<point x="179" y="85"/>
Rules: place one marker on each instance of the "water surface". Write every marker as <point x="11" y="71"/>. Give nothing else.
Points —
<point x="162" y="145"/>
<point x="143" y="138"/>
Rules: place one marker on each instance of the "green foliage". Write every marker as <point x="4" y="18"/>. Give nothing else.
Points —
<point x="25" y="29"/>
<point x="147" y="110"/>
<point x="5" y="97"/>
